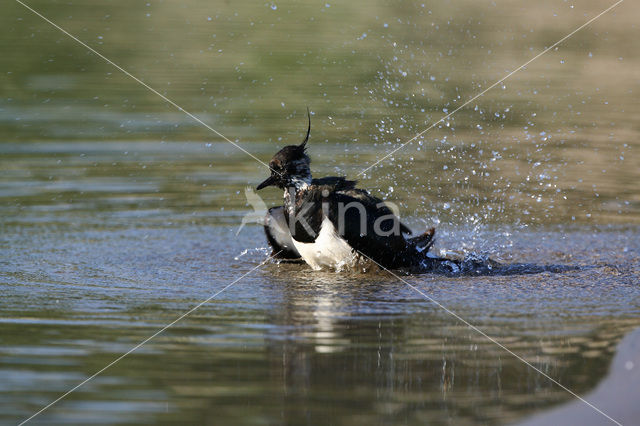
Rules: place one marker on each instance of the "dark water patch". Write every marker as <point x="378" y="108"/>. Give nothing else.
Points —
<point x="476" y="265"/>
<point x="118" y="214"/>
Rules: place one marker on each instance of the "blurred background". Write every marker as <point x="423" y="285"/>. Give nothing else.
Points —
<point x="118" y="212"/>
<point x="556" y="143"/>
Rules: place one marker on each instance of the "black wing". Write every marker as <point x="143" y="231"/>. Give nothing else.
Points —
<point x="376" y="208"/>
<point x="370" y="227"/>
<point x="335" y="183"/>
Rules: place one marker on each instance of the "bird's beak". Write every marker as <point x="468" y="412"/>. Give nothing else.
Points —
<point x="271" y="180"/>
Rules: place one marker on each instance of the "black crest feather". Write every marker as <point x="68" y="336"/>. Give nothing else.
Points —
<point x="306" y="139"/>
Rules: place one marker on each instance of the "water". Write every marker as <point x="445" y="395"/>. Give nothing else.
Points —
<point x="119" y="214"/>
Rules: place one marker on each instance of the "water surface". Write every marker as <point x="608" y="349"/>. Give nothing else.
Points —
<point x="118" y="213"/>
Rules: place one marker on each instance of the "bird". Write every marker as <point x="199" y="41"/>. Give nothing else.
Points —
<point x="331" y="223"/>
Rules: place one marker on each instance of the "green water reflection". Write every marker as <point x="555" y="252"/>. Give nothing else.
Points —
<point x="118" y="212"/>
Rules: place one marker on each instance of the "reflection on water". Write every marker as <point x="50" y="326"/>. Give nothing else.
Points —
<point x="118" y="214"/>
<point x="287" y="343"/>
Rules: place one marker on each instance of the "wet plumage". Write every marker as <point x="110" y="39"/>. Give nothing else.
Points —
<point x="329" y="222"/>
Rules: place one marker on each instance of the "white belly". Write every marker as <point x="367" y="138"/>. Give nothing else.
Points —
<point x="328" y="250"/>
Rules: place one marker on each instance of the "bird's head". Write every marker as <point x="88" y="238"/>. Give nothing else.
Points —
<point x="290" y="166"/>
